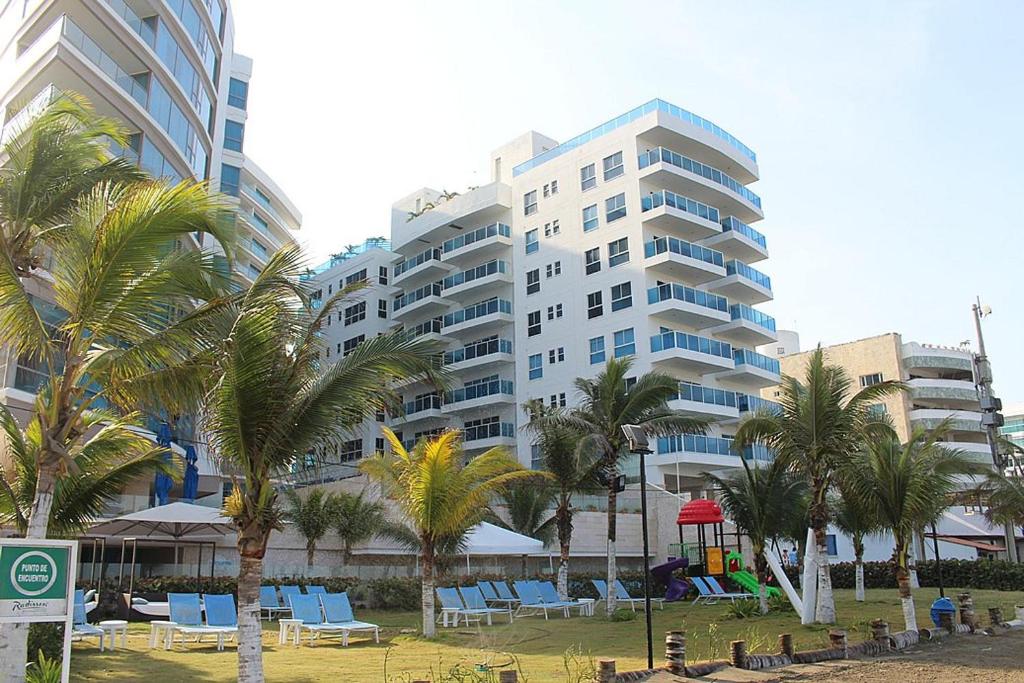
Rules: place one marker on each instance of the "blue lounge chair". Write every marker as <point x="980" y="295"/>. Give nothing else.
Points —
<point x="705" y="594"/>
<point x="81" y="628"/>
<point x="717" y="589"/>
<point x="289" y="592"/>
<point x="532" y="603"/>
<point x="270" y="603"/>
<point x="454" y="609"/>
<point x="475" y="600"/>
<point x="491" y="595"/>
<point x="549" y="594"/>
<point x="316" y="590"/>
<point x="602" y="588"/>
<point x="622" y="595"/>
<point x="222" y="615"/>
<point x="309" y="612"/>
<point x="186" y="611"/>
<point x="338" y="612"/>
<point x="504" y="592"/>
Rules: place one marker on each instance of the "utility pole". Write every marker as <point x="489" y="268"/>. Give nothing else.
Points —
<point x="991" y="418"/>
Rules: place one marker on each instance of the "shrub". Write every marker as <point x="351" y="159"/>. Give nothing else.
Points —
<point x="982" y="574"/>
<point x="623" y="615"/>
<point x="44" y="670"/>
<point x="401" y="593"/>
<point x="47" y="639"/>
<point x="743" y="609"/>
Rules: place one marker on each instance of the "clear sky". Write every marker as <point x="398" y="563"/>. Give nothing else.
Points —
<point x="888" y="134"/>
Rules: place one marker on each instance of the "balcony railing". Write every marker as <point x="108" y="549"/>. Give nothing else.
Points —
<point x="432" y="326"/>
<point x="690" y="342"/>
<point x="701" y="394"/>
<point x="678" y="201"/>
<point x="740" y="268"/>
<point x="736" y="225"/>
<point x="748" y="357"/>
<point x="489" y="431"/>
<point x="492" y="230"/>
<point x="674" y="290"/>
<point x="494" y="387"/>
<point x="433" y="254"/>
<point x="481" y="271"/>
<point x="432" y="289"/>
<point x="478" y="350"/>
<point x="710" y="445"/>
<point x="478" y="311"/>
<point x="745" y="312"/>
<point x="748" y="403"/>
<point x="95" y="54"/>
<point x="697" y="168"/>
<point x="684" y="248"/>
<point x="421" y="403"/>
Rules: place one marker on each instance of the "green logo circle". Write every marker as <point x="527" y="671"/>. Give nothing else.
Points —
<point x="33" y="578"/>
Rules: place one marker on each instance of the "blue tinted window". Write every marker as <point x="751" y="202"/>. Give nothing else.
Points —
<point x="238" y="93"/>
<point x="234" y="133"/>
<point x="830" y="544"/>
<point x="532" y="241"/>
<point x="536" y="366"/>
<point x="597" y="350"/>
<point x="624" y="343"/>
<point x="230" y="179"/>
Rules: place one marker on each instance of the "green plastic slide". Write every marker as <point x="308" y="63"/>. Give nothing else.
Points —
<point x="749" y="582"/>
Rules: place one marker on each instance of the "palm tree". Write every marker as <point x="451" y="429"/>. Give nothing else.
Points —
<point x="111" y="457"/>
<point x="528" y="507"/>
<point x="271" y="402"/>
<point x="357" y="519"/>
<point x="1005" y="498"/>
<point x="759" y="500"/>
<point x="608" y="402"/>
<point x="440" y="497"/>
<point x="905" y="487"/>
<point x="819" y="427"/>
<point x="572" y="471"/>
<point x="312" y="516"/>
<point x="854" y="519"/>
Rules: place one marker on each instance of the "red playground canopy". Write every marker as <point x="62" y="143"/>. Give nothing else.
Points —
<point x="700" y="511"/>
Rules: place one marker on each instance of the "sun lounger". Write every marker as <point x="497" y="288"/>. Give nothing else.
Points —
<point x="81" y="628"/>
<point x="533" y="603"/>
<point x="309" y="612"/>
<point x="492" y="597"/>
<point x="316" y="590"/>
<point x="549" y="594"/>
<point x="453" y="609"/>
<point x="270" y="603"/>
<point x="186" y="611"/>
<point x="705" y="594"/>
<point x="622" y="595"/>
<point x="717" y="589"/>
<point x="504" y="592"/>
<point x="474" y="600"/>
<point x="338" y="613"/>
<point x="287" y="593"/>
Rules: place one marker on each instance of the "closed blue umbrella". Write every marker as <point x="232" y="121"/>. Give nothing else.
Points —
<point x="190" y="486"/>
<point x="162" y="483"/>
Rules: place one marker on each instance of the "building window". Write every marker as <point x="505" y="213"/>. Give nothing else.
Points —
<point x="554" y="311"/>
<point x="234" y="134"/>
<point x="556" y="355"/>
<point x="230" y="179"/>
<point x="553" y="269"/>
<point x="533" y="281"/>
<point x="355" y="313"/>
<point x="533" y="323"/>
<point x="351" y="344"/>
<point x="532" y="241"/>
<point x="590" y="218"/>
<point x="552" y="228"/>
<point x="536" y="366"/>
<point x="358" y="276"/>
<point x="238" y="93"/>
<point x="830" y="545"/>
<point x="382" y="308"/>
<point x="629" y="382"/>
<point x="615" y="207"/>
<point x="379" y="416"/>
<point x="382" y="275"/>
<point x="613" y="166"/>
<point x="378" y="445"/>
<point x="554" y="187"/>
<point x="877" y="410"/>
<point x="618" y="252"/>
<point x="547" y="189"/>
<point x="624" y="343"/>
<point x="351" y="450"/>
<point x="530" y="203"/>
<point x="594" y="307"/>
<point x="592" y="260"/>
<point x="588" y="177"/>
<point x="622" y="296"/>
<point x="558" y="400"/>
<point x="596" y="350"/>
<point x="870" y="380"/>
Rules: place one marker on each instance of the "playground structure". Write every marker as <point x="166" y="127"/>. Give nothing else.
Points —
<point x="675" y="588"/>
<point x="709" y="555"/>
<point x="741" y="577"/>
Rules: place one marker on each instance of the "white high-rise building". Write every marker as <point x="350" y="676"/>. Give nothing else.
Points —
<point x="632" y="239"/>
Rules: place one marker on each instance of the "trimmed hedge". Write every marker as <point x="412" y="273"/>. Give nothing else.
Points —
<point x="983" y="574"/>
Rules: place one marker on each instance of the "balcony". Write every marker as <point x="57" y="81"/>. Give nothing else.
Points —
<point x="490" y="240"/>
<point x="478" y="317"/>
<point x="480" y="354"/>
<point x="664" y="210"/>
<point x="748" y="403"/>
<point x="479" y="395"/>
<point x="960" y="420"/>
<point x="943" y="393"/>
<point x="690" y="353"/>
<point x="429" y="329"/>
<point x="490" y="435"/>
<point x="681" y="260"/>
<point x="484" y="205"/>
<point x="426" y="264"/>
<point x="682" y="305"/>
<point x="478" y="281"/>
<point x="743" y="283"/>
<point x="974" y="451"/>
<point x="707" y="450"/>
<point x="423" y="407"/>
<point x="937" y="359"/>
<point x="701" y="401"/>
<point x="748" y="326"/>
<point x="752" y="369"/>
<point x="739" y="241"/>
<point x="702" y="183"/>
<point x="426" y="300"/>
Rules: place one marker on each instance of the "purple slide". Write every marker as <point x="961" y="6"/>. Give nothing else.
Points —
<point x="676" y="589"/>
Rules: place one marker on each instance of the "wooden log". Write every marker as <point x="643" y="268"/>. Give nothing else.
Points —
<point x="868" y="648"/>
<point x="880" y="629"/>
<point x="706" y="668"/>
<point x="738" y="653"/>
<point x="967" y="610"/>
<point x="933" y="633"/>
<point x="675" y="652"/>
<point x="786" y="644"/>
<point x="962" y="628"/>
<point x="813" y="656"/>
<point x="606" y="671"/>
<point x="759" y="662"/>
<point x="904" y="639"/>
<point x="995" y="616"/>
<point x="837" y="639"/>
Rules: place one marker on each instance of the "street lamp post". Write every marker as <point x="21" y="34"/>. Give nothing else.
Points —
<point x="991" y="419"/>
<point x="637" y="438"/>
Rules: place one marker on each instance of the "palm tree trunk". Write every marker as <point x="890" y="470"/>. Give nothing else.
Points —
<point x="250" y="632"/>
<point x="903" y="582"/>
<point x="310" y="549"/>
<point x="825" y="609"/>
<point x="859" y="562"/>
<point x="610" y="604"/>
<point x="563" y="520"/>
<point x="761" y="568"/>
<point x="427" y="587"/>
<point x="14" y="637"/>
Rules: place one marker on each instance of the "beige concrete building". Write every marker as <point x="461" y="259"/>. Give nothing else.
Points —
<point x="940" y="383"/>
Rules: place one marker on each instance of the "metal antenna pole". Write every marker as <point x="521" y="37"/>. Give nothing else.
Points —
<point x="990" y="406"/>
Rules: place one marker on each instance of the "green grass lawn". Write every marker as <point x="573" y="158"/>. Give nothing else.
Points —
<point x="537" y="647"/>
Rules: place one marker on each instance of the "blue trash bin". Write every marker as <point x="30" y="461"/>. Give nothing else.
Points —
<point x="940" y="606"/>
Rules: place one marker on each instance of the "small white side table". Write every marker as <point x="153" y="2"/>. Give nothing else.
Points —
<point x="587" y="606"/>
<point x="162" y="631"/>
<point x="288" y="629"/>
<point x="113" y="627"/>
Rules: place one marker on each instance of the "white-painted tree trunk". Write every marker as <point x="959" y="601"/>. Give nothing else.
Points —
<point x="427" y="598"/>
<point x="250" y="629"/>
<point x="809" y="580"/>
<point x="825" y="612"/>
<point x="563" y="579"/>
<point x="860" y="581"/>
<point x="611" y="604"/>
<point x="909" y="613"/>
<point x="762" y="596"/>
